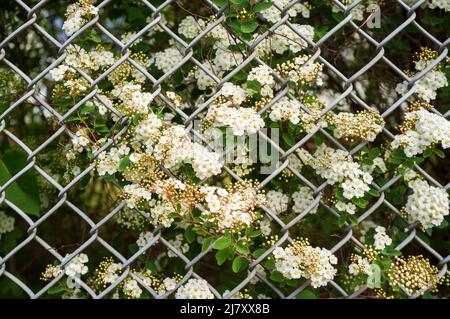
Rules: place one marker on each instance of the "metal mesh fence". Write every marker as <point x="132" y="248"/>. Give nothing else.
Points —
<point x="33" y="12"/>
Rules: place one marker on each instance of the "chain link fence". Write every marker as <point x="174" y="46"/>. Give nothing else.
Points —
<point x="33" y="13"/>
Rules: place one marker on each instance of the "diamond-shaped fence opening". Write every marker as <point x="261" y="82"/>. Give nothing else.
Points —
<point x="73" y="100"/>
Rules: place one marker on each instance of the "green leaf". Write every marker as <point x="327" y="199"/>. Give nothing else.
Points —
<point x="277" y="276"/>
<point x="439" y="153"/>
<point x="352" y="220"/>
<point x="374" y="153"/>
<point x="360" y="202"/>
<point x="124" y="164"/>
<point x="220" y="3"/>
<point x="374" y="192"/>
<point x="237" y="263"/>
<point x="255" y="233"/>
<point x="261" y="6"/>
<point x="222" y="242"/>
<point x="443" y="225"/>
<point x="24" y="192"/>
<point x="253" y="85"/>
<point x="341" y="220"/>
<point x="189" y="234"/>
<point x="57" y="288"/>
<point x="223" y="255"/>
<point x="288" y="139"/>
<point x="259" y="252"/>
<point x="242" y="247"/>
<point x="96" y="38"/>
<point x="249" y="27"/>
<point x="428" y="152"/>
<point x="206" y="242"/>
<point x="390" y="251"/>
<point x="306" y="294"/>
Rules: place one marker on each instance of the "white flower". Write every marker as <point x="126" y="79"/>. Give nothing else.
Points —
<point x="303" y="198"/>
<point x="194" y="289"/>
<point x="429" y="129"/>
<point x="191" y="27"/>
<point x="277" y="202"/>
<point x="144" y="239"/>
<point x="381" y="238"/>
<point x="241" y="120"/>
<point x="76" y="266"/>
<point x="302" y="260"/>
<point x="58" y="73"/>
<point x="131" y="289"/>
<point x="167" y="59"/>
<point x="6" y="223"/>
<point x="427" y="204"/>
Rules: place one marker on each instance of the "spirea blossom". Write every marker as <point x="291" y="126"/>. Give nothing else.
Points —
<point x="6" y="224"/>
<point x="429" y="129"/>
<point x="194" y="289"/>
<point x="337" y="166"/>
<point x="77" y="15"/>
<point x="241" y="120"/>
<point x="276" y="201"/>
<point x="427" y="204"/>
<point x="300" y="259"/>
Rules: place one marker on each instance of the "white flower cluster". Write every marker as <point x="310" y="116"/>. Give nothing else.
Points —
<point x="361" y="265"/>
<point x="285" y="39"/>
<point x="303" y="198"/>
<point x="235" y="93"/>
<point x="427" y="204"/>
<point x="93" y="60"/>
<point x="191" y="27"/>
<point x="172" y="146"/>
<point x="133" y="98"/>
<point x="429" y="129"/>
<point x="337" y="166"/>
<point x="349" y="208"/>
<point x="432" y="4"/>
<point x="166" y="60"/>
<point x="302" y="70"/>
<point x="131" y="289"/>
<point x="80" y="141"/>
<point x="205" y="81"/>
<point x="194" y="289"/>
<point x="381" y="238"/>
<point x="225" y="60"/>
<point x="302" y="260"/>
<point x="286" y="109"/>
<point x="179" y="244"/>
<point x="263" y="75"/>
<point x="144" y="238"/>
<point x="276" y="201"/>
<point x="77" y="15"/>
<point x="234" y="206"/>
<point x="426" y="87"/>
<point x="112" y="273"/>
<point x="241" y="120"/>
<point x="108" y="161"/>
<point x="273" y="14"/>
<point x="6" y="223"/>
<point x="76" y="266"/>
<point x="77" y="57"/>
<point x="358" y="11"/>
<point x="136" y="194"/>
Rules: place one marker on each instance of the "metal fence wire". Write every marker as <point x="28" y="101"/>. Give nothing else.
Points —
<point x="33" y="15"/>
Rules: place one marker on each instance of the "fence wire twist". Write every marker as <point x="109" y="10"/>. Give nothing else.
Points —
<point x="316" y="55"/>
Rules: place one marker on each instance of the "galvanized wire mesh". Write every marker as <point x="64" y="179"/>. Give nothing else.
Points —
<point x="315" y="49"/>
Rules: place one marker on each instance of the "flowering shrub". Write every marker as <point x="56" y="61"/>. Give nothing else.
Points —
<point x="157" y="149"/>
